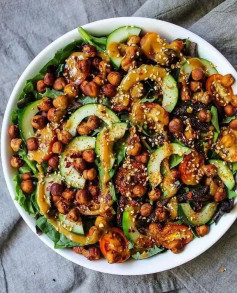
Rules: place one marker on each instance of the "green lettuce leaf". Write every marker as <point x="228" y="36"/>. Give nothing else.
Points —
<point x="150" y="252"/>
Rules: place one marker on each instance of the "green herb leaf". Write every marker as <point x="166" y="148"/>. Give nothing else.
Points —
<point x="175" y="160"/>
<point x="28" y="202"/>
<point x="231" y="193"/>
<point x="14" y="116"/>
<point x="150" y="252"/>
<point x="228" y="119"/>
<point x="60" y="241"/>
<point x="98" y="42"/>
<point x="51" y="93"/>
<point x="214" y="118"/>
<point x="23" y="154"/>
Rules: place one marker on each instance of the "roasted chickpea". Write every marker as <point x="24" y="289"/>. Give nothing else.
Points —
<point x="59" y="84"/>
<point x="175" y="125"/>
<point x="56" y="189"/>
<point x="154" y="194"/>
<point x="142" y="158"/>
<point x="90" y="174"/>
<point x="38" y="122"/>
<point x="176" y="246"/>
<point x="202" y="230"/>
<point x="220" y="194"/>
<point x="71" y="90"/>
<point x="131" y="51"/>
<point x="93" y="122"/>
<point x="62" y="206"/>
<point x="26" y="176"/>
<point x="64" y="136"/>
<point x="104" y="67"/>
<point x="210" y="170"/>
<point x="83" y="129"/>
<point x="53" y="161"/>
<point x="13" y="131"/>
<point x="146" y="210"/>
<point x="16" y="144"/>
<point x="16" y="161"/>
<point x="79" y="164"/>
<point x="160" y="212"/>
<point x="204" y="116"/>
<point x="68" y="194"/>
<point x="134" y="149"/>
<point x="190" y="133"/>
<point x="109" y="90"/>
<point x="73" y="215"/>
<point x="57" y="147"/>
<point x="197" y="74"/>
<point x="99" y="80"/>
<point x="229" y="110"/>
<point x="114" y="78"/>
<point x="139" y="190"/>
<point x="128" y="63"/>
<point x="137" y="91"/>
<point x="27" y="186"/>
<point x="41" y="86"/>
<point x="49" y="79"/>
<point x="94" y="253"/>
<point x="89" y="156"/>
<point x="233" y="124"/>
<point x="55" y="115"/>
<point x="227" y="140"/>
<point x="233" y="101"/>
<point x="45" y="104"/>
<point x="32" y="144"/>
<point x="185" y="94"/>
<point x="205" y="98"/>
<point x="96" y="62"/>
<point x="91" y="89"/>
<point x="133" y="40"/>
<point x="227" y="80"/>
<point x="61" y="102"/>
<point x="195" y="86"/>
<point x="94" y="190"/>
<point x="82" y="196"/>
<point x="89" y="50"/>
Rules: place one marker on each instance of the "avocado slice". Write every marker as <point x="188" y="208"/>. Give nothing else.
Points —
<point x="101" y="111"/>
<point x="104" y="149"/>
<point x="190" y="217"/>
<point x="154" y="164"/>
<point x="224" y="173"/>
<point x="25" y="119"/>
<point x="69" y="173"/>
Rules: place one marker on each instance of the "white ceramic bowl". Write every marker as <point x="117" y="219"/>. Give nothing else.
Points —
<point x="157" y="263"/>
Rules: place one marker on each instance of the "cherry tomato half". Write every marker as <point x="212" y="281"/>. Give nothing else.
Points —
<point x="114" y="246"/>
<point x="190" y="168"/>
<point x="175" y="237"/>
<point x="221" y="95"/>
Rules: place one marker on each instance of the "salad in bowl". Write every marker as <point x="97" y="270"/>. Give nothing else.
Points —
<point x="125" y="145"/>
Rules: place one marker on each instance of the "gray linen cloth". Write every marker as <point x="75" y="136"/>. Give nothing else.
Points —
<point x="26" y="264"/>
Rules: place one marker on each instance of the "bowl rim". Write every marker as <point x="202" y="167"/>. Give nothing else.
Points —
<point x="118" y="269"/>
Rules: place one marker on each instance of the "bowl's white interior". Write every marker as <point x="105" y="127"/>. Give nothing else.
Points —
<point x="157" y="263"/>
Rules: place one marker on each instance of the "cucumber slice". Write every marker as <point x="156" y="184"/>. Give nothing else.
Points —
<point x="70" y="174"/>
<point x="160" y="76"/>
<point x="129" y="227"/>
<point x="25" y="119"/>
<point x="100" y="111"/>
<point x="154" y="164"/>
<point x="74" y="227"/>
<point x="224" y="173"/>
<point x="43" y="191"/>
<point x="104" y="148"/>
<point x="119" y="35"/>
<point x="193" y="63"/>
<point x="170" y="93"/>
<point x="189" y="217"/>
